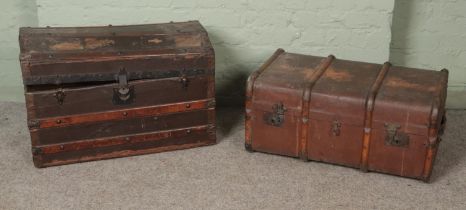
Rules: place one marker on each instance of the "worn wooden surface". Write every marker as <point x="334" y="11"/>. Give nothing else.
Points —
<point x="103" y="92"/>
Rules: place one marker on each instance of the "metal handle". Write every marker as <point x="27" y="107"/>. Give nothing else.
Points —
<point x="442" y="125"/>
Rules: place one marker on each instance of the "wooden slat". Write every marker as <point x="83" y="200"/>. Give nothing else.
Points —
<point x="122" y="114"/>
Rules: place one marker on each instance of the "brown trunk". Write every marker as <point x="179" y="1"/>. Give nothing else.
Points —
<point x="362" y="115"/>
<point x="104" y="92"/>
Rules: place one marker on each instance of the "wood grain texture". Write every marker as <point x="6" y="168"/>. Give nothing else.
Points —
<point x="357" y="113"/>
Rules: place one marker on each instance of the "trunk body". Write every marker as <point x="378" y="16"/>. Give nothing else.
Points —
<point x="104" y="92"/>
<point x="368" y="116"/>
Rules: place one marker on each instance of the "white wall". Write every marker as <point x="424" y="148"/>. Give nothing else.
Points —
<point x="431" y="34"/>
<point x="425" y="33"/>
<point x="13" y="13"/>
<point x="246" y="32"/>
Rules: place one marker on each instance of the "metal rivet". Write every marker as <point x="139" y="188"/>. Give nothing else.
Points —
<point x="62" y="147"/>
<point x="125" y="113"/>
<point x="188" y="131"/>
<point x="58" y="121"/>
<point x="188" y="105"/>
<point x="127" y="139"/>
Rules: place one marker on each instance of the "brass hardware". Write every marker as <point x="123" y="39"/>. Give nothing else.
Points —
<point x="60" y="96"/>
<point x="124" y="94"/>
<point x="188" y="105"/>
<point x="277" y="117"/>
<point x="58" y="121"/>
<point x="395" y="137"/>
<point x="336" y="125"/>
<point x="188" y="131"/>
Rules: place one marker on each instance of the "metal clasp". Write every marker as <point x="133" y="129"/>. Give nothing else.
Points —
<point x="395" y="137"/>
<point x="124" y="94"/>
<point x="60" y="96"/>
<point x="277" y="117"/>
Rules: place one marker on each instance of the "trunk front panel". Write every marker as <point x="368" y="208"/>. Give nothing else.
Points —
<point x="399" y="160"/>
<point x="128" y="146"/>
<point x="335" y="143"/>
<point x="279" y="139"/>
<point x="88" y="99"/>
<point x="93" y="130"/>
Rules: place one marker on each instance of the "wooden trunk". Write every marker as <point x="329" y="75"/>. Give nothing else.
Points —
<point x="373" y="117"/>
<point x="104" y="92"/>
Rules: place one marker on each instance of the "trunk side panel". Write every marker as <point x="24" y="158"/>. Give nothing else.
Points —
<point x="282" y="83"/>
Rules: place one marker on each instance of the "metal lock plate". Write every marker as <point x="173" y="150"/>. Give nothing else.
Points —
<point x="394" y="137"/>
<point x="277" y="117"/>
<point x="124" y="94"/>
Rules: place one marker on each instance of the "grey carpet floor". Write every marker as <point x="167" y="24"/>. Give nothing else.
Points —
<point x="223" y="176"/>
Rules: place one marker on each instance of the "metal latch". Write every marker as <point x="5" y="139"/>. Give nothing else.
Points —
<point x="336" y="125"/>
<point x="60" y="96"/>
<point x="395" y="137"/>
<point x="277" y="117"/>
<point x="124" y="93"/>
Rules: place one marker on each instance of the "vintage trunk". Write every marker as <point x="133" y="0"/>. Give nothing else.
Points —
<point x="373" y="117"/>
<point x="104" y="92"/>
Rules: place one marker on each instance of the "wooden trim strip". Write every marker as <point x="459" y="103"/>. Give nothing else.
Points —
<point x="249" y="93"/>
<point x="38" y="160"/>
<point x="370" y="103"/>
<point x="304" y="133"/>
<point x="120" y="114"/>
<point x="119" y="140"/>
